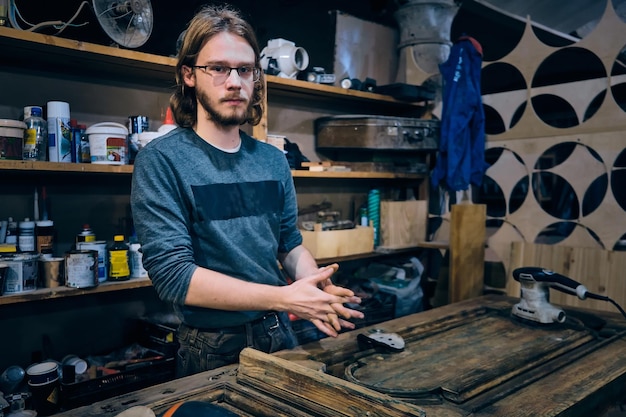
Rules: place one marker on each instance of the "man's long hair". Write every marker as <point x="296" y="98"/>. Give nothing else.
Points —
<point x="208" y="22"/>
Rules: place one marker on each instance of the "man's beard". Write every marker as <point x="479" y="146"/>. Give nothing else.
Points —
<point x="232" y="119"/>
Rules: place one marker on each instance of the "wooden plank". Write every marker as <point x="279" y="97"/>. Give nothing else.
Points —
<point x="402" y="223"/>
<point x="355" y="174"/>
<point x="62" y="292"/>
<point x="80" y="58"/>
<point x="467" y="251"/>
<point x="205" y="386"/>
<point x="313" y="90"/>
<point x="570" y="391"/>
<point x="436" y="323"/>
<point x="9" y="165"/>
<point x="324" y="395"/>
<point x="466" y="360"/>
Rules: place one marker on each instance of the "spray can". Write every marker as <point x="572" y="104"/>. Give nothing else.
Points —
<point x="86" y="235"/>
<point x="59" y="132"/>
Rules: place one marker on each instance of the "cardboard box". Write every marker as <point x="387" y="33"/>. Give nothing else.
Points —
<point x="334" y="243"/>
<point x="403" y="223"/>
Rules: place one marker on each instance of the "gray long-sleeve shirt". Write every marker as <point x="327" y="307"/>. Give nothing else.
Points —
<point x="195" y="205"/>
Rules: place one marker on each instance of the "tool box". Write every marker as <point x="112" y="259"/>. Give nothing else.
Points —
<point x="377" y="133"/>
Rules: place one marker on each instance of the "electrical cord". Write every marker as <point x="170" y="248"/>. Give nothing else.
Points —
<point x="14" y="12"/>
<point x="604" y="298"/>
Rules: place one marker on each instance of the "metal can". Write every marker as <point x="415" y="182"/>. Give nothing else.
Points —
<point x="101" y="247"/>
<point x="81" y="268"/>
<point x="21" y="274"/>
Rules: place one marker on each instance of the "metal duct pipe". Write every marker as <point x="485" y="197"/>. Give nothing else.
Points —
<point x="424" y="37"/>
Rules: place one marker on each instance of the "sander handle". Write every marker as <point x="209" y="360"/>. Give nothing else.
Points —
<point x="551" y="278"/>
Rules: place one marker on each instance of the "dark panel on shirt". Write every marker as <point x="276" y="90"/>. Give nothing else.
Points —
<point x="228" y="201"/>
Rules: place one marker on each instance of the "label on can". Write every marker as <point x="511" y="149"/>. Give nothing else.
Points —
<point x="21" y="274"/>
<point x="81" y="268"/>
<point x="86" y="236"/>
<point x="101" y="247"/>
<point x="116" y="150"/>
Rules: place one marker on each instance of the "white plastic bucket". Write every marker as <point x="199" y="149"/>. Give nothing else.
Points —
<point x="108" y="143"/>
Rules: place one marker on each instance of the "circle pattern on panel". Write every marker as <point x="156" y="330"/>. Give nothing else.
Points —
<point x="618" y="77"/>
<point x="501" y="84"/>
<point x="506" y="195"/>
<point x="618" y="180"/>
<point x="557" y="84"/>
<point x="560" y="187"/>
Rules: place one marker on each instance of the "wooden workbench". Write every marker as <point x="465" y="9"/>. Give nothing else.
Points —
<point x="464" y="359"/>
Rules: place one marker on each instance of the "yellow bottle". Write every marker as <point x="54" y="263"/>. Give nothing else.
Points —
<point x="119" y="269"/>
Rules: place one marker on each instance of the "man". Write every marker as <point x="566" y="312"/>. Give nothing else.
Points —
<point x="215" y="210"/>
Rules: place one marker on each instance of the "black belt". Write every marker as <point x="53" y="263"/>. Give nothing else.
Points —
<point x="270" y="321"/>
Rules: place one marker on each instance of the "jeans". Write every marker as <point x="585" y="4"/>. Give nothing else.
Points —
<point x="205" y="349"/>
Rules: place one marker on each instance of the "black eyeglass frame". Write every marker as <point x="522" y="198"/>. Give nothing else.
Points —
<point x="256" y="71"/>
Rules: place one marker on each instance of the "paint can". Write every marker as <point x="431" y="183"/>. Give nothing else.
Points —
<point x="21" y="274"/>
<point x="81" y="268"/>
<point x="51" y="273"/>
<point x="101" y="247"/>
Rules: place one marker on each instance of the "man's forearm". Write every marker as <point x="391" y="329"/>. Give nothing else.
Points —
<point x="299" y="263"/>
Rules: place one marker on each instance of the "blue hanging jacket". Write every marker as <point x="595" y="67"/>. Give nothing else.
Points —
<point x="461" y="158"/>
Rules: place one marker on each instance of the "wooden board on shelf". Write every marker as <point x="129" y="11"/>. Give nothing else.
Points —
<point x="19" y="47"/>
<point x="63" y="291"/>
<point x="16" y="165"/>
<point x="402" y="223"/>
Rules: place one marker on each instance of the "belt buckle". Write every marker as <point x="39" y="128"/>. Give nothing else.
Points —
<point x="275" y="325"/>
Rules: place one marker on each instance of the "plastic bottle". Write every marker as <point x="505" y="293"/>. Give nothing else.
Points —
<point x="119" y="268"/>
<point x="59" y="132"/>
<point x="85" y="154"/>
<point x="11" y="237"/>
<point x="36" y="135"/>
<point x="26" y="235"/>
<point x="373" y="213"/>
<point x="136" y="258"/>
<point x="76" y="133"/>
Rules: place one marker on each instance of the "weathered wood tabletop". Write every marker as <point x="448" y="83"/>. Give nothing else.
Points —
<point x="465" y="359"/>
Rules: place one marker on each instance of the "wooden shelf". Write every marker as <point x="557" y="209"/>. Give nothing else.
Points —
<point x="355" y="174"/>
<point x="375" y="254"/>
<point x="45" y="53"/>
<point x="56" y="54"/>
<point x="37" y="166"/>
<point x="62" y="292"/>
<point x="287" y="86"/>
<point x="40" y="166"/>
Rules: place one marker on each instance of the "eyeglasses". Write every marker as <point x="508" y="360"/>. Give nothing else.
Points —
<point x="220" y="73"/>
